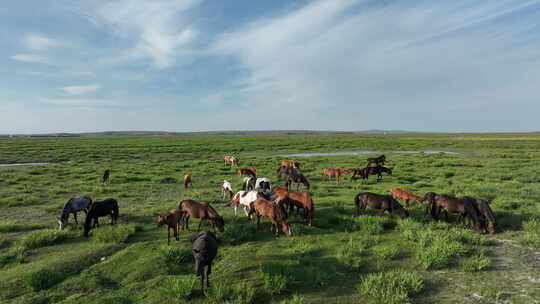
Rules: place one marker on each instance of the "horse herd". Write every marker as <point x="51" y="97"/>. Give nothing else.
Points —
<point x="259" y="198"/>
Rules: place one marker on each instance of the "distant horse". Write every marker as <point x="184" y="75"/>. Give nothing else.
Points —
<point x="335" y="173"/>
<point x="406" y="196"/>
<point x="294" y="176"/>
<point x="106" y="176"/>
<point x="173" y="221"/>
<point x="249" y="183"/>
<point x="264" y="184"/>
<point x="245" y="200"/>
<point x="193" y="209"/>
<point x="187" y="181"/>
<point x="362" y="172"/>
<point x="253" y="169"/>
<point x="487" y="217"/>
<point x="377" y="201"/>
<point x="246" y="171"/>
<point x="450" y="204"/>
<point x="226" y="188"/>
<point x="379" y="170"/>
<point x="74" y="205"/>
<point x="290" y="163"/>
<point x="377" y="161"/>
<point x="274" y="212"/>
<point x="230" y="160"/>
<point x="204" y="250"/>
<point x="99" y="209"/>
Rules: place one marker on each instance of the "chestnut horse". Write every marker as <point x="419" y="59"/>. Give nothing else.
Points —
<point x="187" y="181"/>
<point x="246" y="171"/>
<point x="450" y="204"/>
<point x="172" y="220"/>
<point x="378" y="201"/>
<point x="335" y="173"/>
<point x="193" y="209"/>
<point x="290" y="163"/>
<point x="275" y="213"/>
<point x="300" y="200"/>
<point x="406" y="196"/>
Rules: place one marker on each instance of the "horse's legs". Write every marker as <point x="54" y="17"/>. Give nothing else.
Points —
<point x="208" y="272"/>
<point x="75" y="216"/>
<point x="200" y="222"/>
<point x="168" y="235"/>
<point x="258" y="220"/>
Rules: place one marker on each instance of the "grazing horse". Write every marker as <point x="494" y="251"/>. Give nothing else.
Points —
<point x="105" y="177"/>
<point x="290" y="163"/>
<point x="275" y="213"/>
<point x="294" y="176"/>
<point x="380" y="202"/>
<point x="406" y="196"/>
<point x="226" y="188"/>
<point x="362" y="172"/>
<point x="302" y="200"/>
<point x="74" y="205"/>
<point x="450" y="204"/>
<point x="264" y="184"/>
<point x="248" y="184"/>
<point x="203" y="211"/>
<point x="244" y="199"/>
<point x="335" y="173"/>
<point x="487" y="217"/>
<point x="379" y="170"/>
<point x="377" y="161"/>
<point x="204" y="250"/>
<point x="187" y="181"/>
<point x="173" y="221"/>
<point x="99" y="209"/>
<point x="246" y="171"/>
<point x="230" y="160"/>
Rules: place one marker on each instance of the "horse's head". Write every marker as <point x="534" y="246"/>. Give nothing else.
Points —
<point x="219" y="223"/>
<point x="160" y="220"/>
<point x="61" y="223"/>
<point x="429" y="197"/>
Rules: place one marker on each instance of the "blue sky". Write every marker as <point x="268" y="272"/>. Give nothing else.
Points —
<point x="196" y="65"/>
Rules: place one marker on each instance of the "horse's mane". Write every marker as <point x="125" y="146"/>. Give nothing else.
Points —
<point x="65" y="210"/>
<point x="212" y="210"/>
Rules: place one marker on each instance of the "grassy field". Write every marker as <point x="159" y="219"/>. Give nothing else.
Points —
<point x="341" y="259"/>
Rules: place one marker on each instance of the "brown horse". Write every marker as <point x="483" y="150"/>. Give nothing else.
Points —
<point x="487" y="217"/>
<point x="303" y="200"/>
<point x="193" y="209"/>
<point x="453" y="205"/>
<point x="173" y="221"/>
<point x="378" y="201"/>
<point x="274" y="212"/>
<point x="187" y="181"/>
<point x="290" y="163"/>
<point x="377" y="161"/>
<point x="230" y="160"/>
<point x="406" y="196"/>
<point x="246" y="171"/>
<point x="335" y="173"/>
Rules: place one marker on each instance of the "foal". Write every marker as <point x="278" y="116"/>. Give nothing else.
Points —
<point x="187" y="181"/>
<point x="405" y="195"/>
<point x="275" y="213"/>
<point x="172" y="220"/>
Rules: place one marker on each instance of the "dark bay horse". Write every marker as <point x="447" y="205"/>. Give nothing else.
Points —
<point x="204" y="249"/>
<point x="377" y="161"/>
<point x="379" y="170"/>
<point x="74" y="205"/>
<point x="99" y="209"/>
<point x="247" y="171"/>
<point x="378" y="201"/>
<point x="193" y="209"/>
<point x="453" y="205"/>
<point x="106" y="176"/>
<point x="173" y="221"/>
<point x="487" y="217"/>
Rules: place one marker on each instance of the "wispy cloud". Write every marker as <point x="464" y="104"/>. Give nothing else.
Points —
<point x="30" y="58"/>
<point x="81" y="89"/>
<point x="39" y="42"/>
<point x="158" y="30"/>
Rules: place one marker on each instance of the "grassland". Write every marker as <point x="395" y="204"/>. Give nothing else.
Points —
<point x="341" y="259"/>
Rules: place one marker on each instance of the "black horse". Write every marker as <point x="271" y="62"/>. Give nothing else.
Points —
<point x="367" y="171"/>
<point x="293" y="176"/>
<point x="204" y="251"/>
<point x="74" y="205"/>
<point x="488" y="223"/>
<point x="106" y="176"/>
<point x="99" y="209"/>
<point x="377" y="161"/>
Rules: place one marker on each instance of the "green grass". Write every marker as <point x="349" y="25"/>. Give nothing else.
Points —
<point x="392" y="287"/>
<point x="132" y="263"/>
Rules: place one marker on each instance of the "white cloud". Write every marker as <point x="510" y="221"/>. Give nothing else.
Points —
<point x="81" y="89"/>
<point x="39" y="42"/>
<point x="30" y="58"/>
<point x="159" y="30"/>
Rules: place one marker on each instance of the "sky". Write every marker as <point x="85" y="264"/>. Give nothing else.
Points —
<point x="198" y="65"/>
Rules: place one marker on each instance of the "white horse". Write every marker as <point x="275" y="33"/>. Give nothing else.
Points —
<point x="245" y="199"/>
<point x="226" y="187"/>
<point x="263" y="183"/>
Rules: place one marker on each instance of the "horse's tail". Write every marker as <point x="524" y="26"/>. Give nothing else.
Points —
<point x="357" y="202"/>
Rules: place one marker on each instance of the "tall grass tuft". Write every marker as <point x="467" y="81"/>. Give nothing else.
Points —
<point x="296" y="299"/>
<point x="393" y="287"/>
<point x="114" y="234"/>
<point x="531" y="233"/>
<point x="476" y="262"/>
<point x="372" y="224"/>
<point x="242" y="293"/>
<point x="178" y="289"/>
<point x="276" y="278"/>
<point x="40" y="238"/>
